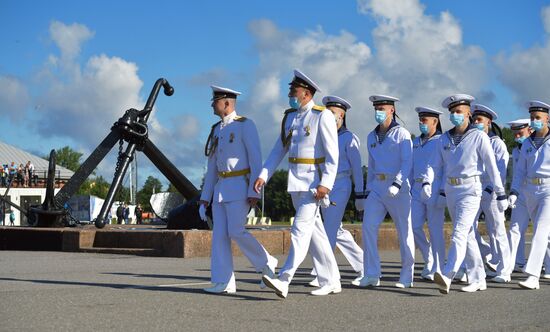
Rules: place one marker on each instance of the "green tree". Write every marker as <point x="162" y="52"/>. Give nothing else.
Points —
<point x="67" y="157"/>
<point x="172" y="188"/>
<point x="151" y="185"/>
<point x="508" y="137"/>
<point x="277" y="201"/>
<point x="97" y="186"/>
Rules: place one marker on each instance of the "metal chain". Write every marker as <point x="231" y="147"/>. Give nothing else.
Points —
<point x="119" y="158"/>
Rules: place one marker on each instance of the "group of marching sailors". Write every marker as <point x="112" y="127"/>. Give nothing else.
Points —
<point x="413" y="180"/>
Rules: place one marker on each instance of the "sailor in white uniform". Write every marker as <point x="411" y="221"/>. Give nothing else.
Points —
<point x="349" y="170"/>
<point x="233" y="151"/>
<point x="465" y="153"/>
<point x="424" y="207"/>
<point x="484" y="120"/>
<point x="519" y="220"/>
<point x="533" y="169"/>
<point x="309" y="135"/>
<point x="390" y="163"/>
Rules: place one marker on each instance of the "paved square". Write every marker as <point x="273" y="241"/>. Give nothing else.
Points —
<point x="58" y="291"/>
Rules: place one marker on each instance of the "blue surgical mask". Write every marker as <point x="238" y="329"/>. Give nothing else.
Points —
<point x="423" y="128"/>
<point x="536" y="125"/>
<point x="380" y="116"/>
<point x="457" y="119"/>
<point x="293" y="102"/>
<point x="520" y="140"/>
<point x="480" y="126"/>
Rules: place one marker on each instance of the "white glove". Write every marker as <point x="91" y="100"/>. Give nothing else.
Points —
<point x="512" y="201"/>
<point x="324" y="202"/>
<point x="502" y="204"/>
<point x="202" y="212"/>
<point x="426" y="192"/>
<point x="441" y="201"/>
<point x="393" y="191"/>
<point x="360" y="204"/>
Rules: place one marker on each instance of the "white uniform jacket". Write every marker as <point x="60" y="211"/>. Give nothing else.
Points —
<point x="469" y="160"/>
<point x="234" y="146"/>
<point x="501" y="157"/>
<point x="392" y="157"/>
<point x="310" y="133"/>
<point x="422" y="154"/>
<point x="532" y="163"/>
<point x="349" y="161"/>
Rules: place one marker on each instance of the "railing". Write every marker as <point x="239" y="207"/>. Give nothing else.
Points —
<point x="38" y="180"/>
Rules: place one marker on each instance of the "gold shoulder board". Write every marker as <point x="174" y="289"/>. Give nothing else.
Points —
<point x="319" y="108"/>
<point x="240" y="118"/>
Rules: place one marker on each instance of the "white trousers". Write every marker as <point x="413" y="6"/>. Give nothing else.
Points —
<point x="498" y="245"/>
<point x="308" y="233"/>
<point x="433" y="251"/>
<point x="537" y="199"/>
<point x="463" y="204"/>
<point x="332" y="220"/>
<point x="399" y="207"/>
<point x="229" y="221"/>
<point x="519" y="221"/>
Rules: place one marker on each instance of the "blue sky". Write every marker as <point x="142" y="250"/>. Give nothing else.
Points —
<point x="58" y="57"/>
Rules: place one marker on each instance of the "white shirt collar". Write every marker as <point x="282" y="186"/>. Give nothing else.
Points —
<point x="229" y="118"/>
<point x="307" y="107"/>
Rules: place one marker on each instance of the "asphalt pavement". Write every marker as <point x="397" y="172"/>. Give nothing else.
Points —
<point x="59" y="291"/>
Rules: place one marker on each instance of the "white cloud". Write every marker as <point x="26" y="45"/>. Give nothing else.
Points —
<point x="526" y="72"/>
<point x="186" y="127"/>
<point x="14" y="98"/>
<point x="391" y="10"/>
<point x="417" y="57"/>
<point x="69" y="38"/>
<point x="85" y="107"/>
<point x="82" y="101"/>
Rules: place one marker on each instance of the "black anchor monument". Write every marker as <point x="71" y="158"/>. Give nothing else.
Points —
<point x="131" y="128"/>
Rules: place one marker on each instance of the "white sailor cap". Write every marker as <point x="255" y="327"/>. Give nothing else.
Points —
<point x="458" y="99"/>
<point x="519" y="124"/>
<point x="218" y="93"/>
<point x="537" y="106"/>
<point x="426" y="111"/>
<point x="478" y="109"/>
<point x="382" y="100"/>
<point x="337" y="102"/>
<point x="300" y="79"/>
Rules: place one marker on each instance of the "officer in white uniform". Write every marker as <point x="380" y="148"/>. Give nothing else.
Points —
<point x="484" y="119"/>
<point x="424" y="207"/>
<point x="349" y="169"/>
<point x="533" y="168"/>
<point x="465" y="153"/>
<point x="519" y="220"/>
<point x="390" y="164"/>
<point x="309" y="135"/>
<point x="233" y="150"/>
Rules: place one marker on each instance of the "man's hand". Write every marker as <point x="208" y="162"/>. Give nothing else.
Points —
<point x="393" y="191"/>
<point x="321" y="192"/>
<point x="512" y="201"/>
<point x="258" y="184"/>
<point x="426" y="192"/>
<point x="202" y="210"/>
<point x="252" y="201"/>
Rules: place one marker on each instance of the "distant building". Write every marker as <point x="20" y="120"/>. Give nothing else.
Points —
<point x="36" y="192"/>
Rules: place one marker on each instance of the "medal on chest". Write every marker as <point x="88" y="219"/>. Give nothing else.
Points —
<point x="231" y="137"/>
<point x="307" y="129"/>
